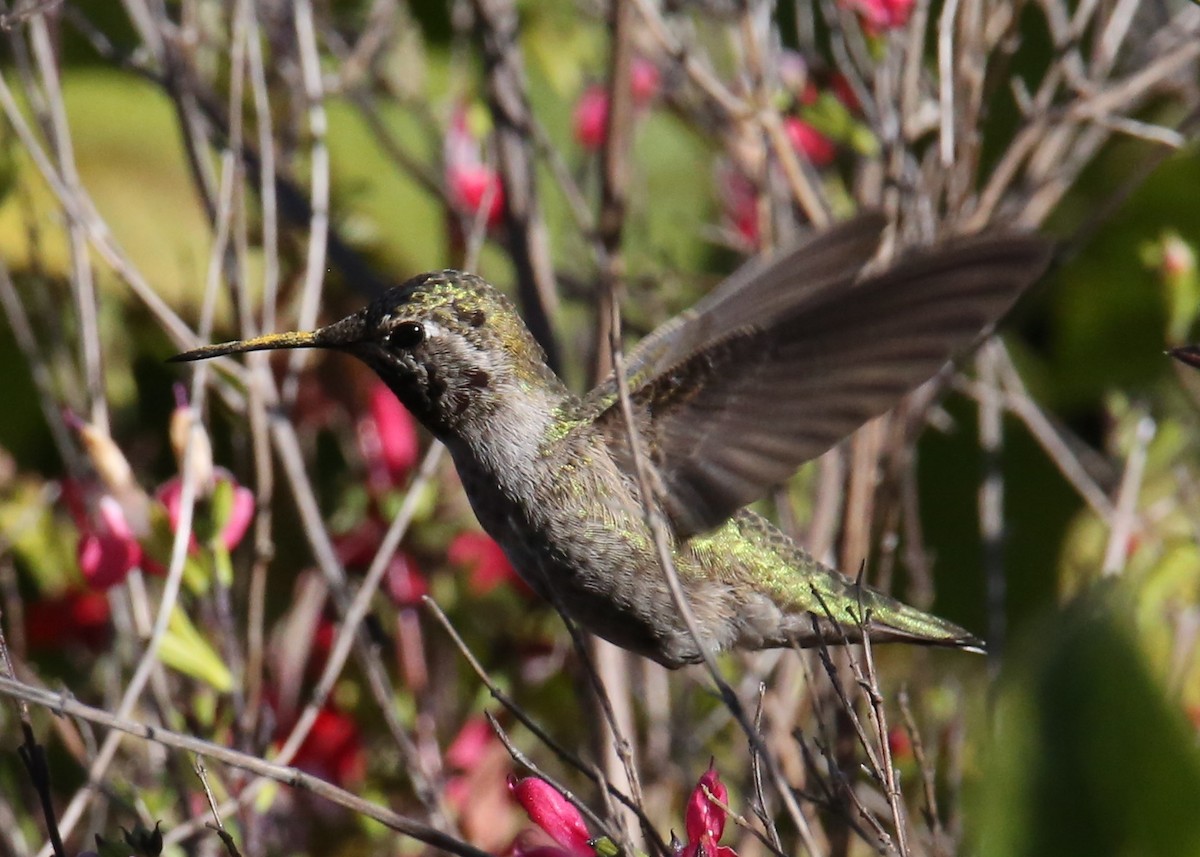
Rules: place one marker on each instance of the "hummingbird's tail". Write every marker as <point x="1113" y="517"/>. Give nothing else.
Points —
<point x="817" y="605"/>
<point x="861" y="611"/>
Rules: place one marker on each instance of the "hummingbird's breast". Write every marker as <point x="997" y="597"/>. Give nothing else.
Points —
<point x="570" y="521"/>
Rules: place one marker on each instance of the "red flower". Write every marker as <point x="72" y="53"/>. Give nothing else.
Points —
<point x="878" y="15"/>
<point x="845" y="92"/>
<point x="704" y="819"/>
<point x="387" y="438"/>
<point x="318" y="656"/>
<point x="78" y="617"/>
<point x="899" y="744"/>
<point x="333" y="750"/>
<point x="356" y="548"/>
<point x="405" y="584"/>
<point x="591" y="117"/>
<point x="488" y="565"/>
<point x="473" y="186"/>
<point x="553" y="813"/>
<point x="805" y="138"/>
<point x="107" y="548"/>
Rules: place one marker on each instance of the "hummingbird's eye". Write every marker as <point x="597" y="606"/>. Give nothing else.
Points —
<point x="407" y="334"/>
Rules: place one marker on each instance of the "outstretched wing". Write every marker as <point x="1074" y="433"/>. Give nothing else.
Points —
<point x="763" y="289"/>
<point x="782" y="362"/>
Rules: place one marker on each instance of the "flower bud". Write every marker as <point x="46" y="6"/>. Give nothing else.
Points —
<point x="805" y="138"/>
<point x="591" y="117"/>
<point x="704" y="820"/>
<point x="644" y="80"/>
<point x="553" y="813"/>
<point x="184" y="425"/>
<point x="111" y="465"/>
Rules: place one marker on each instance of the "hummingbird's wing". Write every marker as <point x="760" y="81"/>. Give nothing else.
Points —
<point x="760" y="290"/>
<point x="780" y="363"/>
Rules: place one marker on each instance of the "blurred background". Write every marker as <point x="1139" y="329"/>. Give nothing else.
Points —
<point x="183" y="547"/>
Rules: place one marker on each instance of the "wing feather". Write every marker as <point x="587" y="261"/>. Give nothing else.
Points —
<point x="787" y="358"/>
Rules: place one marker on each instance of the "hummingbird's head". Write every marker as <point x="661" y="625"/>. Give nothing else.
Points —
<point x="448" y="344"/>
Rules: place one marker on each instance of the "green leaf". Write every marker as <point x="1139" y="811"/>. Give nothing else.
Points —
<point x="220" y="509"/>
<point x="185" y="650"/>
<point x="1087" y="757"/>
<point x="44" y="543"/>
<point x="605" y="847"/>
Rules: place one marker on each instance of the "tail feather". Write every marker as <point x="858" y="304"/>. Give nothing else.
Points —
<point x="860" y="610"/>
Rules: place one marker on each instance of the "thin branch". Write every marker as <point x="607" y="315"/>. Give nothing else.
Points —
<point x="64" y="705"/>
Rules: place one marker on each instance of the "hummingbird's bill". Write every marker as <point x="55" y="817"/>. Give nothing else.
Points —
<point x="269" y="342"/>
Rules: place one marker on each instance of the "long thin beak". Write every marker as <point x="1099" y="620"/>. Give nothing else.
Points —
<point x="1189" y="354"/>
<point x="270" y="342"/>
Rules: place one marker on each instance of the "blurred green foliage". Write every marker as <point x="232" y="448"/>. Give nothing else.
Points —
<point x="1086" y="757"/>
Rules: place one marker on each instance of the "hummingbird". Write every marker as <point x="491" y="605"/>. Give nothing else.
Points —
<point x="778" y="363"/>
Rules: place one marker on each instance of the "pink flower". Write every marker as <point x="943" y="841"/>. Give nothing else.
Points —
<point x="241" y="511"/>
<point x="553" y="813"/>
<point x="488" y="565"/>
<point x="474" y="186"/>
<point x="478" y="761"/>
<point x="704" y="819"/>
<point x="387" y="438"/>
<point x="879" y="15"/>
<point x="405" y="584"/>
<point x="470" y="183"/>
<point x="471" y="744"/>
<point x="107" y="548"/>
<point x="644" y="81"/>
<point x="805" y="138"/>
<point x="397" y="431"/>
<point x="591" y="117"/>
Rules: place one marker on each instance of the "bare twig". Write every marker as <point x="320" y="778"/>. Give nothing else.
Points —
<point x="64" y="705"/>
